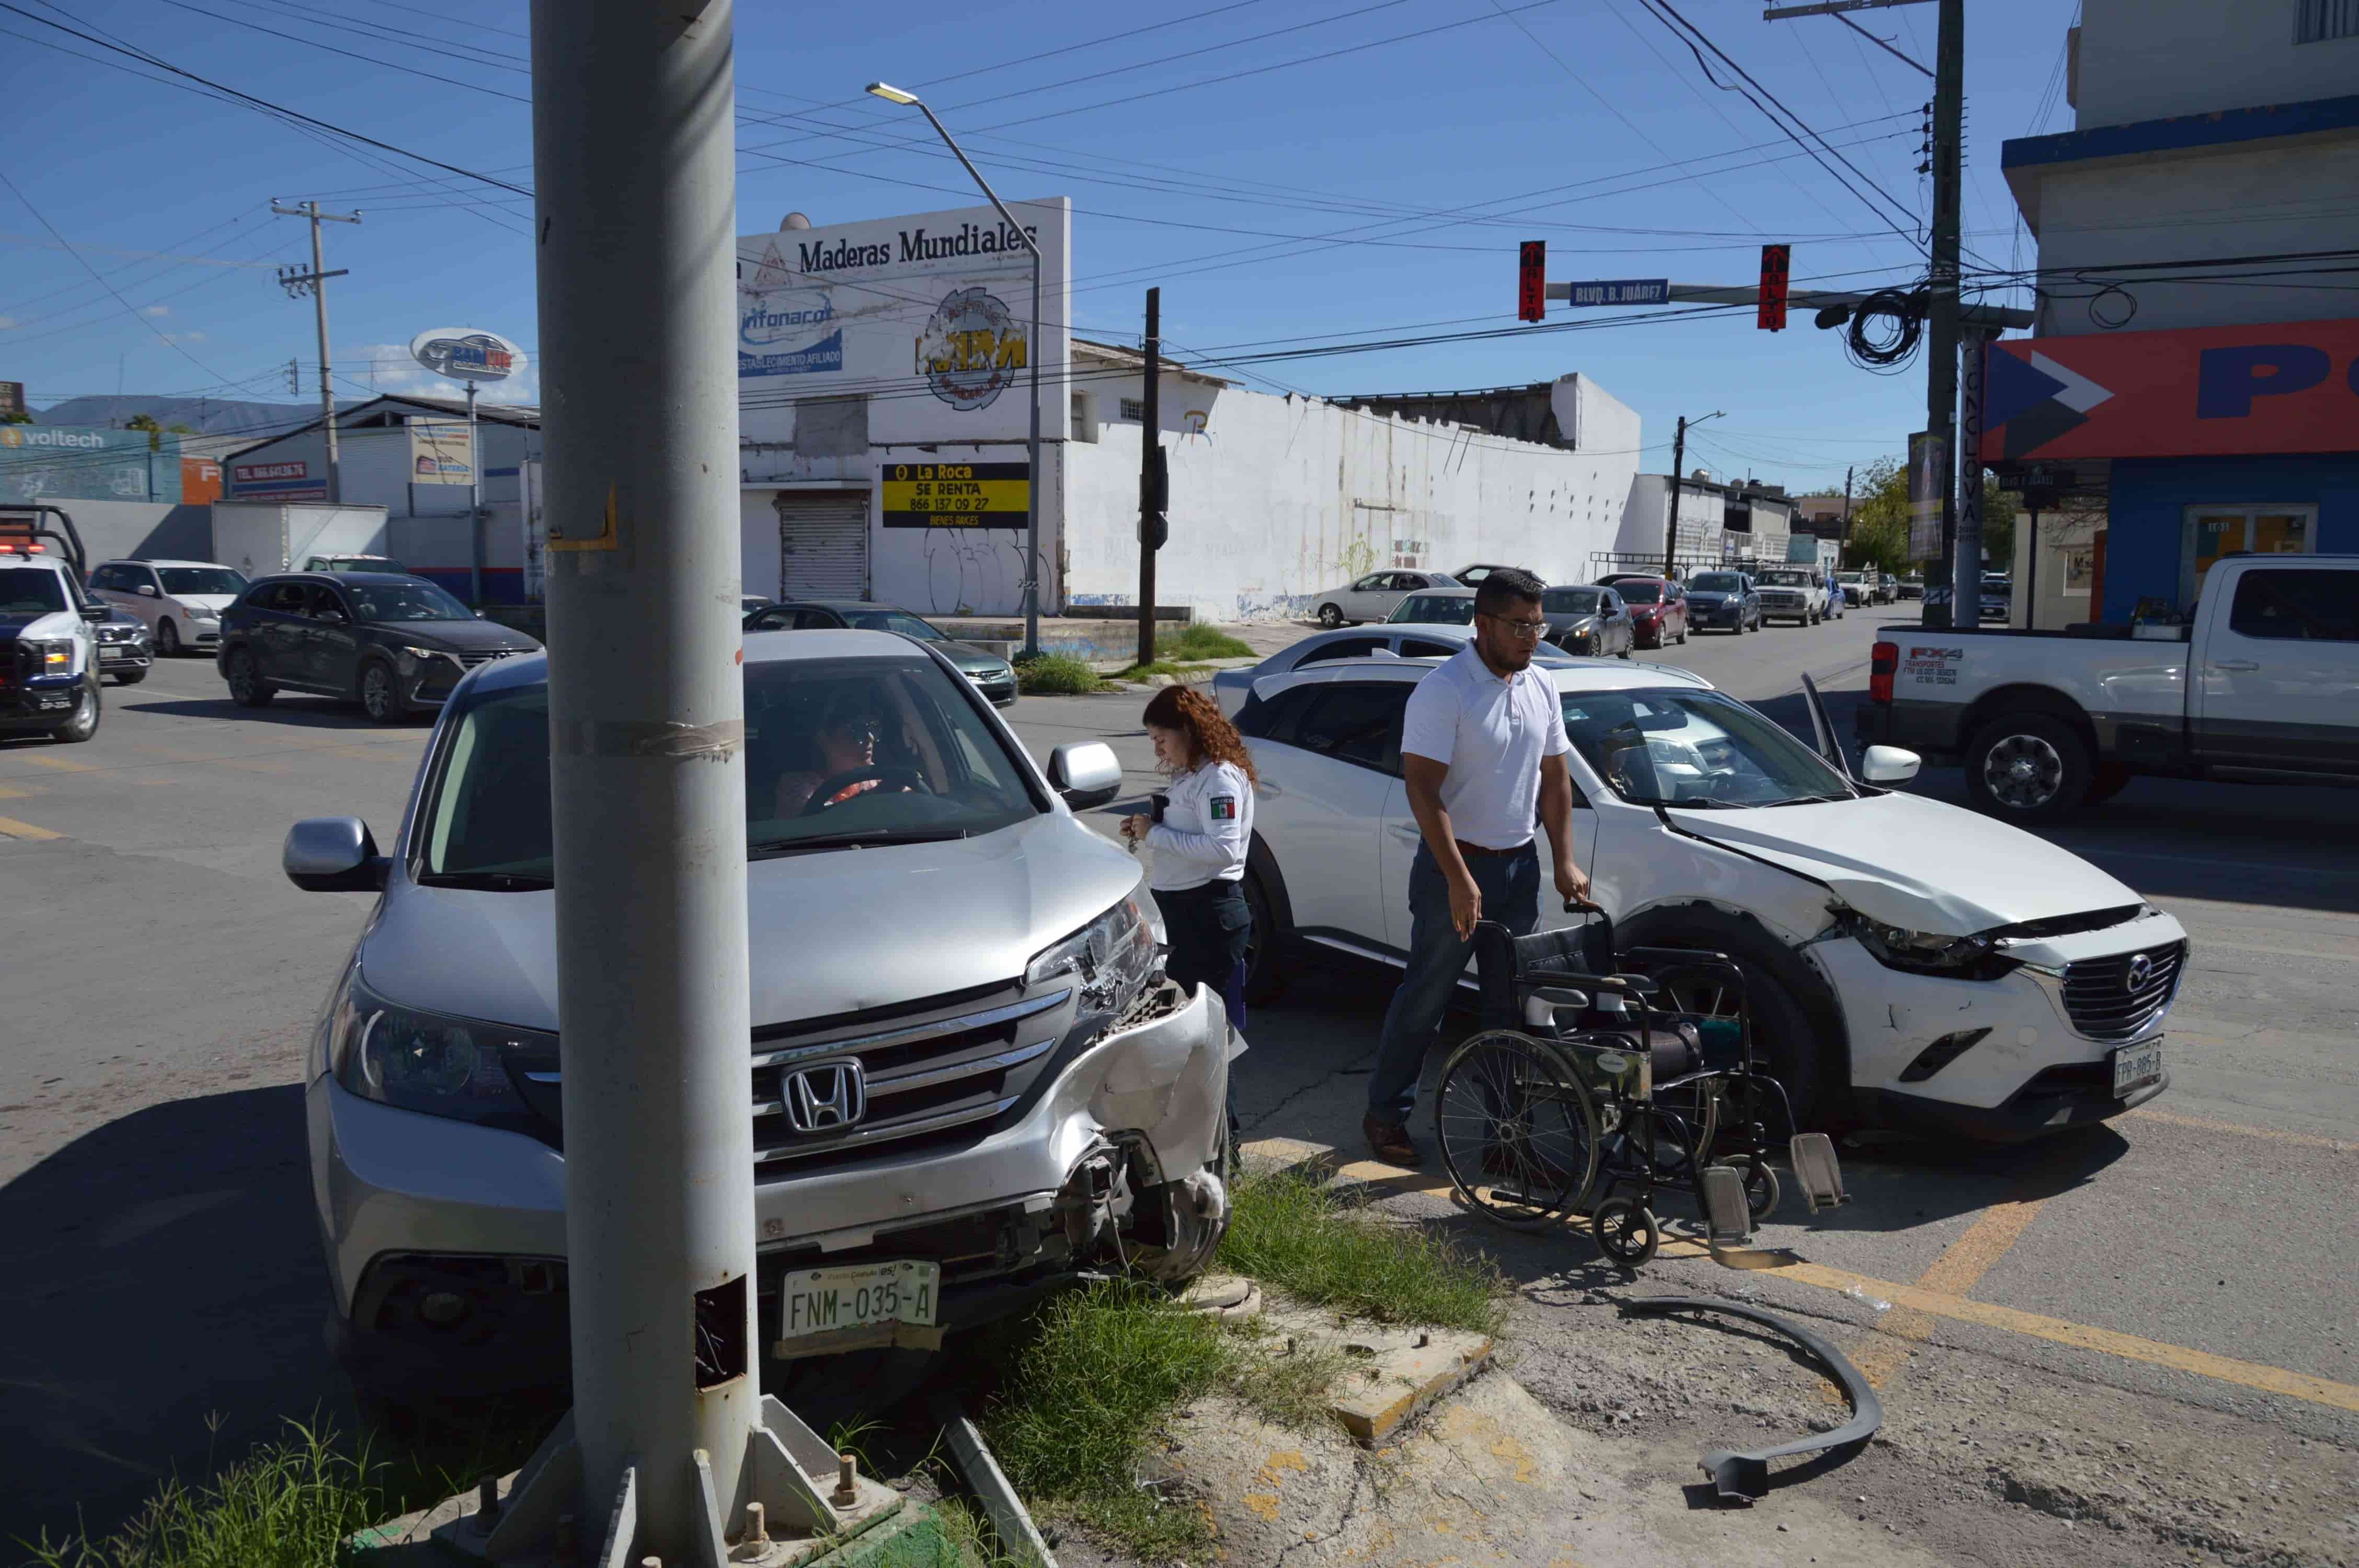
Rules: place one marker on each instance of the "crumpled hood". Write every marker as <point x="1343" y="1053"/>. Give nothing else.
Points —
<point x="462" y="636"/>
<point x="831" y="932"/>
<point x="1916" y="863"/>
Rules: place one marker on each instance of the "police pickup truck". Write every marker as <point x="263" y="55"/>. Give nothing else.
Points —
<point x="49" y="638"/>
<point x="2260" y="686"/>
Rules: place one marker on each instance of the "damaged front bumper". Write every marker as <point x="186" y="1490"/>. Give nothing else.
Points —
<point x="445" y="1239"/>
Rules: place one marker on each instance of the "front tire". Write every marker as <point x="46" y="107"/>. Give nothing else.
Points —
<point x="246" y="686"/>
<point x="1265" y="947"/>
<point x="1331" y="616"/>
<point x="83" y="724"/>
<point x="2028" y="767"/>
<point x="168" y="638"/>
<point x="1627" y="1232"/>
<point x="380" y="694"/>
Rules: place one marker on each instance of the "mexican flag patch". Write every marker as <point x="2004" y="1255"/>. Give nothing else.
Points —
<point x="1224" y="808"/>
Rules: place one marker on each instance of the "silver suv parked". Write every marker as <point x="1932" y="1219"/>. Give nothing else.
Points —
<point x="967" y="1069"/>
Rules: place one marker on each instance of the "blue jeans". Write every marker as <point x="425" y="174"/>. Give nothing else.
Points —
<point x="1511" y="895"/>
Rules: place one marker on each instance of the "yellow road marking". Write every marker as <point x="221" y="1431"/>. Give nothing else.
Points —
<point x="19" y="792"/>
<point x="63" y="764"/>
<point x="2205" y="1124"/>
<point x="1957" y="1270"/>
<point x="11" y="828"/>
<point x="1963" y="1264"/>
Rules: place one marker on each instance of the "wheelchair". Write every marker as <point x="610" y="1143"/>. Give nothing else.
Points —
<point x="1633" y="1072"/>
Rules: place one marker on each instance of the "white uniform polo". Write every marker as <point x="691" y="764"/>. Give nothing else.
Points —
<point x="1491" y="734"/>
<point x="1206" y="828"/>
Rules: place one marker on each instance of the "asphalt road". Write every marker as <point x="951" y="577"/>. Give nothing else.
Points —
<point x="2177" y="1277"/>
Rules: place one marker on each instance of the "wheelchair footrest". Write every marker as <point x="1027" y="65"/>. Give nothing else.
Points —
<point x="1818" y="1171"/>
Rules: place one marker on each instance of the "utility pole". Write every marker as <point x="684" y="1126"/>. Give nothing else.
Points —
<point x="1154" y="478"/>
<point x="1846" y="521"/>
<point x="669" y="1438"/>
<point x="297" y="282"/>
<point x="1941" y="309"/>
<point x="1966" y="603"/>
<point x="1677" y="491"/>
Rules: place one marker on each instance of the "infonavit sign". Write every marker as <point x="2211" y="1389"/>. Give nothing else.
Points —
<point x="467" y="353"/>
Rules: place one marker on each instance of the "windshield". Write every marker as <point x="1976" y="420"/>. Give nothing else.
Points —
<point x="1569" y="602"/>
<point x="1694" y="747"/>
<point x="179" y="581"/>
<point x="1850" y="576"/>
<point x="23" y="591"/>
<point x="418" y="600"/>
<point x="1639" y="593"/>
<point x="1436" y="609"/>
<point x="899" y="621"/>
<point x="1787" y="579"/>
<point x="1718" y="582"/>
<point x="838" y="752"/>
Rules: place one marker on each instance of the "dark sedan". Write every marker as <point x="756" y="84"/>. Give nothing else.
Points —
<point x="1658" y="608"/>
<point x="991" y="674"/>
<point x="1590" y="621"/>
<point x="1722" y="601"/>
<point x="394" y="644"/>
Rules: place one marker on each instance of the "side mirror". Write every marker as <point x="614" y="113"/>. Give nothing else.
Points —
<point x="333" y="854"/>
<point x="1084" y="774"/>
<point x="1888" y="765"/>
<point x="95" y="613"/>
<point x="148" y="588"/>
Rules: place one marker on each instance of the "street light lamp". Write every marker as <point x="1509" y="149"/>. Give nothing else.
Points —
<point x="892" y="94"/>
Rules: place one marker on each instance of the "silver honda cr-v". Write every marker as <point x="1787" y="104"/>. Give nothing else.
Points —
<point x="971" y="1083"/>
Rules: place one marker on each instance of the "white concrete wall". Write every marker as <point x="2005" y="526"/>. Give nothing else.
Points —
<point x="1279" y="499"/>
<point x="2149" y="60"/>
<point x="2260" y="200"/>
<point x="1702" y="519"/>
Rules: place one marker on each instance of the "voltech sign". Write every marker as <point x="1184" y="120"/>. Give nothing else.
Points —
<point x="2201" y="392"/>
<point x="467" y="353"/>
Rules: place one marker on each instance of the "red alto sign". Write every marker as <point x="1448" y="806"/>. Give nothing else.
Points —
<point x="2287" y="386"/>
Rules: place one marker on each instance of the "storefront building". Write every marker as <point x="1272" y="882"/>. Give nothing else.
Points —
<point x="2194" y="378"/>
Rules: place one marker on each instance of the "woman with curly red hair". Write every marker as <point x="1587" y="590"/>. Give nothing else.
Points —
<point x="1199" y="839"/>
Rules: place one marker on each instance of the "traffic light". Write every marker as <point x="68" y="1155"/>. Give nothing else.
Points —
<point x="1531" y="282"/>
<point x="1774" y="260"/>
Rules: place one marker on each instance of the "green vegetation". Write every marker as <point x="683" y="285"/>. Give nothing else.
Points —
<point x="289" y="1505"/>
<point x="1879" y="536"/>
<point x="1288" y="1230"/>
<point x="1057" y="673"/>
<point x="1164" y="667"/>
<point x="1200" y="643"/>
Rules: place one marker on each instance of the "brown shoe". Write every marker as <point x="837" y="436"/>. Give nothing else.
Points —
<point x="1389" y="1142"/>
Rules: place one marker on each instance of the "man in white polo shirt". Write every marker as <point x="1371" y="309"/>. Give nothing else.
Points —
<point x="1482" y="752"/>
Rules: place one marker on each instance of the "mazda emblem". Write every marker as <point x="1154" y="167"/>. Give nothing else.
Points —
<point x="826" y="1097"/>
<point x="2141" y="970"/>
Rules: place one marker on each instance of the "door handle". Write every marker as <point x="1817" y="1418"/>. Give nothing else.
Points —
<point x="1265" y="787"/>
<point x="2234" y="665"/>
<point x="1407" y="834"/>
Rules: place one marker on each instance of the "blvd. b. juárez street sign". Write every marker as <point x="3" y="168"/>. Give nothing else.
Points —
<point x="1620" y="291"/>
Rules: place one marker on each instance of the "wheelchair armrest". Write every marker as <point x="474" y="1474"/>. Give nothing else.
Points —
<point x="1574" y="977"/>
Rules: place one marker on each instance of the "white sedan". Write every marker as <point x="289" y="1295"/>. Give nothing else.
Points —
<point x="1909" y="962"/>
<point x="1374" y="597"/>
<point x="1398" y="641"/>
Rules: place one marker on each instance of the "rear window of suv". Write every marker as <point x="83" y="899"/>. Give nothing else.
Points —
<point x="838" y="752"/>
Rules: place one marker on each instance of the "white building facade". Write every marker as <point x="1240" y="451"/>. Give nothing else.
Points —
<point x="882" y="369"/>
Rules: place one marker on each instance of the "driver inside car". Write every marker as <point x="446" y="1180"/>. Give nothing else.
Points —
<point x="846" y="743"/>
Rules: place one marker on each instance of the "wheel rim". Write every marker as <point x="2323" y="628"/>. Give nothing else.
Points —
<point x="168" y="638"/>
<point x="1517" y="1132"/>
<point x="241" y="676"/>
<point x="2023" y="772"/>
<point x="375" y="694"/>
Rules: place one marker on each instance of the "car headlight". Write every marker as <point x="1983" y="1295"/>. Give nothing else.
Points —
<point x="438" y="1064"/>
<point x="1927" y="952"/>
<point x="413" y="656"/>
<point x="1114" y="957"/>
<point x="52" y="658"/>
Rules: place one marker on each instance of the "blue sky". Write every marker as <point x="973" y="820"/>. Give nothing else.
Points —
<point x="1418" y="139"/>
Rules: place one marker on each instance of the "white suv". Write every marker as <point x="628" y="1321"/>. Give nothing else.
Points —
<point x="1908" y="961"/>
<point x="181" y="602"/>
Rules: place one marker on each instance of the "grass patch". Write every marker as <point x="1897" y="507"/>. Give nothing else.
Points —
<point x="1056" y="674"/>
<point x="289" y="1504"/>
<point x="1288" y="1230"/>
<point x="1194" y="642"/>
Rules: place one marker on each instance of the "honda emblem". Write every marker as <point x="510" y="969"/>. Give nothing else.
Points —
<point x="826" y="1097"/>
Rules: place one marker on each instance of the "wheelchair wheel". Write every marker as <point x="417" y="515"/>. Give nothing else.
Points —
<point x="1761" y="1191"/>
<point x="1627" y="1231"/>
<point x="1517" y="1129"/>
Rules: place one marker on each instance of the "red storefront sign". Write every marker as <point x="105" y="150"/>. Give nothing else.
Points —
<point x="2287" y="386"/>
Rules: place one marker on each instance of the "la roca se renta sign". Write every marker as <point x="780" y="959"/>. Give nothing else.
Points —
<point x="2200" y="392"/>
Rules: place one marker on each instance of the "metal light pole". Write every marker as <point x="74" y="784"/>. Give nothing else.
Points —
<point x="892" y="94"/>
<point x="669" y="1439"/>
<point x="474" y="505"/>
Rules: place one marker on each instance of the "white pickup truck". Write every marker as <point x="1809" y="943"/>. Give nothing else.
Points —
<point x="2261" y="686"/>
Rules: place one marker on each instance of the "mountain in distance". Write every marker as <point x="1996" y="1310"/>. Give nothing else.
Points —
<point x="204" y="415"/>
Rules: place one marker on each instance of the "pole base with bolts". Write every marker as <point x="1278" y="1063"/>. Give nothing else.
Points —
<point x="792" y="1482"/>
